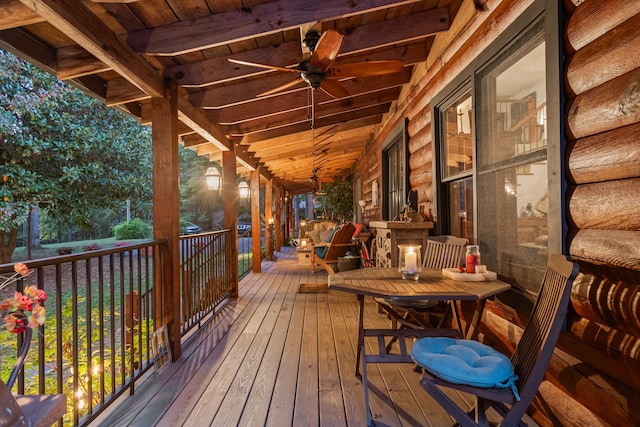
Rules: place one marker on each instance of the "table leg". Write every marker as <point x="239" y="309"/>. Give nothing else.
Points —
<point x="360" y="351"/>
<point x="477" y="315"/>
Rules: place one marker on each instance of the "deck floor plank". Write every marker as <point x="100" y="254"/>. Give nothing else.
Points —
<point x="277" y="357"/>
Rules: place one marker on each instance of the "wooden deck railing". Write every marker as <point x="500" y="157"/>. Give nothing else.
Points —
<point x="96" y="341"/>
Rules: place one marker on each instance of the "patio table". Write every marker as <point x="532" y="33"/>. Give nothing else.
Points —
<point x="388" y="283"/>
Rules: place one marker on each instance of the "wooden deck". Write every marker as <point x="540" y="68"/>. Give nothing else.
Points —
<point x="276" y="357"/>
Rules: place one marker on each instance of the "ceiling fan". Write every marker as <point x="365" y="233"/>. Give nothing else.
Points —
<point x="321" y="72"/>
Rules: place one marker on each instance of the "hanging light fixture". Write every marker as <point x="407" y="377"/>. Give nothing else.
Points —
<point x="243" y="190"/>
<point x="213" y="178"/>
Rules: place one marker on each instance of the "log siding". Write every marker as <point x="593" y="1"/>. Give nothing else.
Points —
<point x="594" y="378"/>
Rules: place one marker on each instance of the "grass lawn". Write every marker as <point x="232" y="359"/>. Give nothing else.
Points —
<point x="20" y="254"/>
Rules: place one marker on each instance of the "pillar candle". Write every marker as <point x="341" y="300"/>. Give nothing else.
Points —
<point x="411" y="262"/>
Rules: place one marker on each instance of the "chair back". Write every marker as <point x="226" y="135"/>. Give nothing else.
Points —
<point x="535" y="348"/>
<point x="446" y="253"/>
<point x="340" y="242"/>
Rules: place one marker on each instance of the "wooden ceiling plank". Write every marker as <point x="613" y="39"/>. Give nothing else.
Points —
<point x="242" y="24"/>
<point x="14" y="14"/>
<point x="73" y="19"/>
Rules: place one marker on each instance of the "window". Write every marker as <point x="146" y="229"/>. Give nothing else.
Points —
<point x="493" y="164"/>
<point x="512" y="162"/>
<point x="394" y="173"/>
<point x="457" y="165"/>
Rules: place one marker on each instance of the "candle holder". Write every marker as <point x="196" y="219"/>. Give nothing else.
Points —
<point x="409" y="261"/>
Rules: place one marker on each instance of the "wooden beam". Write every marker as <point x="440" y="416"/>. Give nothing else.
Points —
<point x="333" y="126"/>
<point x="243" y="24"/>
<point x="337" y="107"/>
<point x="74" y="61"/>
<point x="198" y="74"/>
<point x="14" y="14"/>
<point x="73" y="19"/>
<point x="299" y="151"/>
<point x="296" y="100"/>
<point x="121" y="91"/>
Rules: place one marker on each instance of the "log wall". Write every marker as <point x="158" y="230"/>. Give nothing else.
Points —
<point x="594" y="378"/>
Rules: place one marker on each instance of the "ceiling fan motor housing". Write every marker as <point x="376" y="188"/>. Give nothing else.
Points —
<point x="311" y="40"/>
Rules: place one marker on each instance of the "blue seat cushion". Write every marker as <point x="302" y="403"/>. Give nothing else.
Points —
<point x="467" y="362"/>
<point x="321" y="251"/>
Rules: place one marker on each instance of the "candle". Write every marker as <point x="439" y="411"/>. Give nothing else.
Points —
<point x="411" y="262"/>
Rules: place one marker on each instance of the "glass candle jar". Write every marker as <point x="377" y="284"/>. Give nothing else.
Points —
<point x="409" y="261"/>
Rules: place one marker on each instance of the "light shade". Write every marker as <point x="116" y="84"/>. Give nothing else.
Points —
<point x="243" y="190"/>
<point x="214" y="180"/>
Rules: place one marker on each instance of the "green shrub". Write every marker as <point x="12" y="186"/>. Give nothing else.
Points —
<point x="134" y="229"/>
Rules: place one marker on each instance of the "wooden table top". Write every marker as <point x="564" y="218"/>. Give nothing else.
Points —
<point x="432" y="285"/>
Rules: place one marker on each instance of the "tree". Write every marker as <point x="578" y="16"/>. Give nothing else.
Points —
<point x="64" y="151"/>
<point x="340" y="198"/>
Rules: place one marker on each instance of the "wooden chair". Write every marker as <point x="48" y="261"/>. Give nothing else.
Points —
<point x="326" y="255"/>
<point x="530" y="358"/>
<point x="445" y="252"/>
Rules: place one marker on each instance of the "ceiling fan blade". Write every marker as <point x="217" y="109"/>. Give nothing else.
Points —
<point x="283" y="87"/>
<point x="365" y="69"/>
<point x="327" y="50"/>
<point x="334" y="89"/>
<point x="265" y="66"/>
<point x="327" y="179"/>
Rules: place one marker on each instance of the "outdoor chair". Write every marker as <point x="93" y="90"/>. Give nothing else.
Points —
<point x="513" y="382"/>
<point x="326" y="254"/>
<point x="446" y="252"/>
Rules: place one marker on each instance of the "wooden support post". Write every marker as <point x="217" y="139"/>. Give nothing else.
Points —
<point x="166" y="212"/>
<point x="278" y="217"/>
<point x="256" y="262"/>
<point x="230" y="201"/>
<point x="268" y="217"/>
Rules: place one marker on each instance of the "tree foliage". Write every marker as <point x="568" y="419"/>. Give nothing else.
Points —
<point x="340" y="198"/>
<point x="64" y="151"/>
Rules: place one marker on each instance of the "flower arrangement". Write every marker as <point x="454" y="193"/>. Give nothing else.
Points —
<point x="23" y="310"/>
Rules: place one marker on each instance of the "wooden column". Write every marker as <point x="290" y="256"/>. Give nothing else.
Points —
<point x="166" y="213"/>
<point x="268" y="217"/>
<point x="278" y="216"/>
<point x="254" y="186"/>
<point x="230" y="202"/>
